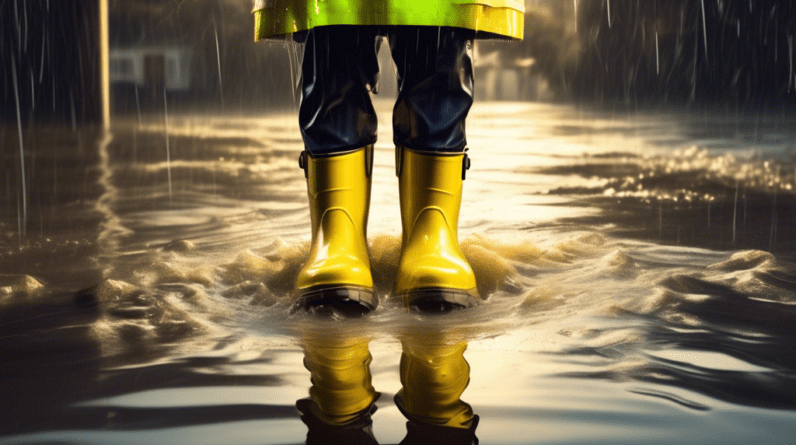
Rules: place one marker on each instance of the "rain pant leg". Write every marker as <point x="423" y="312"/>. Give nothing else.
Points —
<point x="339" y="69"/>
<point x="435" y="81"/>
<point x="435" y="87"/>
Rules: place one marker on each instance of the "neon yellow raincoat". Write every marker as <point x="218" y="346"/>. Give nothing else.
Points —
<point x="489" y="18"/>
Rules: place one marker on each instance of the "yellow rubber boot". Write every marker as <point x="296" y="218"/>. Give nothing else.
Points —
<point x="433" y="274"/>
<point x="337" y="273"/>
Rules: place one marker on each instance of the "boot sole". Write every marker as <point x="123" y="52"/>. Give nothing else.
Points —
<point x="346" y="300"/>
<point x="440" y="300"/>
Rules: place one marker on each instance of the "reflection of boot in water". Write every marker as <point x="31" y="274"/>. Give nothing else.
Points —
<point x="434" y="376"/>
<point x="423" y="434"/>
<point x="342" y="398"/>
<point x="358" y="431"/>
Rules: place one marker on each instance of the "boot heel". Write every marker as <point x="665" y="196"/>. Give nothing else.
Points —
<point x="346" y="300"/>
<point x="440" y="300"/>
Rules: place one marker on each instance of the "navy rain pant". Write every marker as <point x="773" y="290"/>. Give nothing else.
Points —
<point x="435" y="87"/>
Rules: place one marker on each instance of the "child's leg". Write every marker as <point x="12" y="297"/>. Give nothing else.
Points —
<point x="338" y="71"/>
<point x="338" y="125"/>
<point x="435" y="94"/>
<point x="435" y="83"/>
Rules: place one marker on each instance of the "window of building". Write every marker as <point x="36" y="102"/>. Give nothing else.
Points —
<point x="121" y="68"/>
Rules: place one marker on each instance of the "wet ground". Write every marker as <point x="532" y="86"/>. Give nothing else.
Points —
<point x="640" y="269"/>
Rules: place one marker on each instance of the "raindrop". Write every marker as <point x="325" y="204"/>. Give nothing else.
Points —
<point x="16" y="15"/>
<point x="791" y="75"/>
<point x="734" y="214"/>
<point x="137" y="105"/>
<point x="72" y="106"/>
<point x="168" y="149"/>
<point x="772" y="236"/>
<point x="25" y="21"/>
<point x="608" y="2"/>
<point x="295" y="63"/>
<point x="292" y="70"/>
<point x="660" y="219"/>
<point x="744" y="207"/>
<point x="135" y="145"/>
<point x="43" y="47"/>
<point x="22" y="218"/>
<point x="657" y="55"/>
<point x="32" y="90"/>
<point x="709" y="206"/>
<point x="55" y="182"/>
<point x="218" y="60"/>
<point x="576" y="15"/>
<point x="705" y="29"/>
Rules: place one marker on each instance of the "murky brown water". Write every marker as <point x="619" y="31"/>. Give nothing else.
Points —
<point x="640" y="267"/>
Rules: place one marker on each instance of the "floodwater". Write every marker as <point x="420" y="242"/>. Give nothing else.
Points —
<point x="640" y="272"/>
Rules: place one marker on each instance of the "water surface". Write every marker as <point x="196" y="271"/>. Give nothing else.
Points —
<point x="640" y="272"/>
